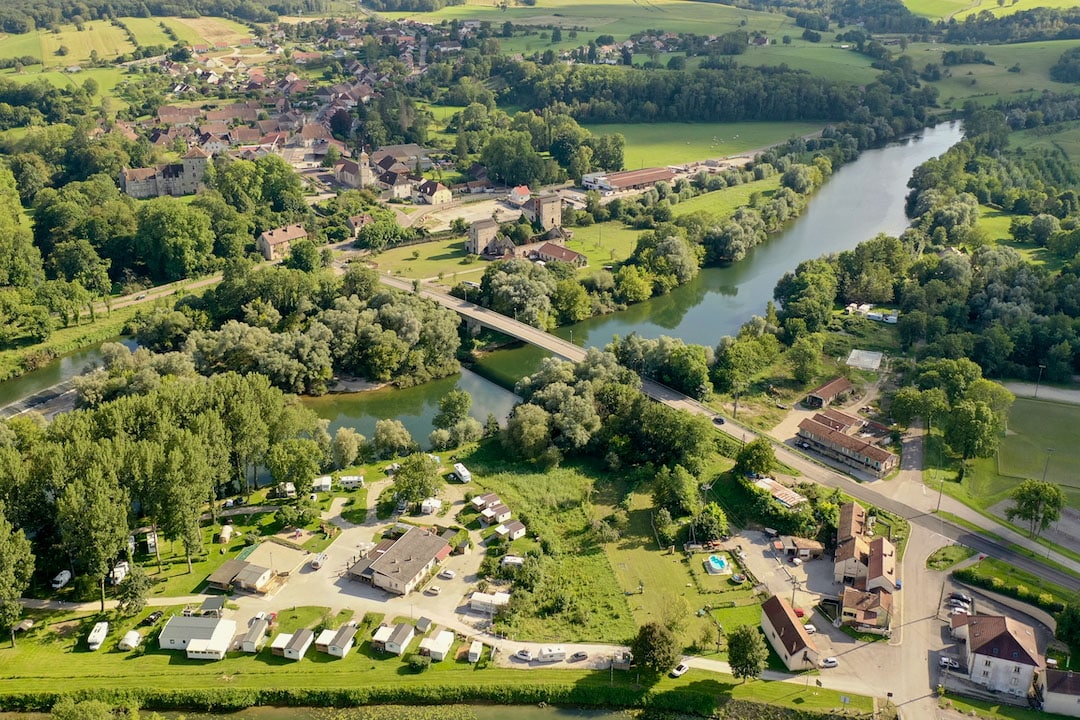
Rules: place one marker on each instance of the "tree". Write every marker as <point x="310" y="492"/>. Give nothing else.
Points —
<point x="392" y="439"/>
<point x="756" y="456"/>
<point x="655" y="648"/>
<point x="805" y="358"/>
<point x="1036" y="502"/>
<point x="296" y="460"/>
<point x="972" y="429"/>
<point x="453" y="408"/>
<point x="175" y="239"/>
<point x="1068" y="626"/>
<point x="710" y="523"/>
<point x="92" y="516"/>
<point x="346" y="447"/>
<point x="417" y="478"/>
<point x="747" y="652"/>
<point x="304" y="256"/>
<point x="16" y="568"/>
<point x="132" y="592"/>
<point x="676" y="491"/>
<point x="528" y="431"/>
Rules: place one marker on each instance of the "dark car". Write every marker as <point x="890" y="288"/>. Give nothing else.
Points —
<point x="578" y="656"/>
<point x="960" y="596"/>
<point x="718" y="420"/>
<point x="152" y="618"/>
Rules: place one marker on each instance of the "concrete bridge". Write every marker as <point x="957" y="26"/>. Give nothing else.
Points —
<point x="808" y="467"/>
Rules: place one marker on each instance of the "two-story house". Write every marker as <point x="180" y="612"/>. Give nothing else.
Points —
<point x="1002" y="654"/>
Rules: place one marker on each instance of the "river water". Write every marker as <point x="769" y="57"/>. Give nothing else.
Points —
<point x="862" y="199"/>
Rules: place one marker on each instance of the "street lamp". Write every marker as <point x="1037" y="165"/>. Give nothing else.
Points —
<point x="1038" y="380"/>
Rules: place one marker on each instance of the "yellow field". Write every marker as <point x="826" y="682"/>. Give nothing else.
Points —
<point x="212" y="30"/>
<point x="944" y="9"/>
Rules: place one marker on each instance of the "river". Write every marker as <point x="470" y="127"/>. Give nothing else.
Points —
<point x="862" y="198"/>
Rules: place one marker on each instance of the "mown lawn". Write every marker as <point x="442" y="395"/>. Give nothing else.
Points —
<point x="604" y="243"/>
<point x="108" y="40"/>
<point x="829" y="61"/>
<point x="944" y="558"/>
<point x="660" y="144"/>
<point x="431" y="258"/>
<point x="1063" y="136"/>
<point x="724" y="202"/>
<point x="996" y="224"/>
<point x="148" y="30"/>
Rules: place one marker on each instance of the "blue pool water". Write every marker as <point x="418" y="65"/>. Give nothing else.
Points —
<point x="718" y="563"/>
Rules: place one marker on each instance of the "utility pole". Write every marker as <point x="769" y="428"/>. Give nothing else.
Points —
<point x="1038" y="380"/>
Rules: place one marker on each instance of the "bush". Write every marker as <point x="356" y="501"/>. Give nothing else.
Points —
<point x="419" y="663"/>
<point x="972" y="576"/>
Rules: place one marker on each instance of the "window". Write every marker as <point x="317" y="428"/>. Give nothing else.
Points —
<point x="1014" y="681"/>
<point x="987" y="663"/>
<point x="1016" y="669"/>
<point x="986" y="673"/>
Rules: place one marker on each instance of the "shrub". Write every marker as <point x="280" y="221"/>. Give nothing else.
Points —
<point x="419" y="663"/>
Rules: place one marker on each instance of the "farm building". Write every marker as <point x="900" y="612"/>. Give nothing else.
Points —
<point x="824" y="395"/>
<point x="787" y="635"/>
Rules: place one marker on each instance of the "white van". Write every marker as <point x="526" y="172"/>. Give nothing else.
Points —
<point x="97" y="636"/>
<point x="318" y="561"/>
<point x="62" y="579"/>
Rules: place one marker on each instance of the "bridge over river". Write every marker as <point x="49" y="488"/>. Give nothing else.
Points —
<point x="808" y="467"/>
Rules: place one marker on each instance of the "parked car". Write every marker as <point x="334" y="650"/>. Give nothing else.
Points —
<point x="258" y="616"/>
<point x="448" y="574"/>
<point x="961" y="597"/>
<point x="830" y="662"/>
<point x="796" y="561"/>
<point x="810" y="629"/>
<point x="956" y="604"/>
<point x="718" y="420"/>
<point x="434" y="590"/>
<point x="949" y="663"/>
<point x="958" y="611"/>
<point x="524" y="654"/>
<point x="151" y="618"/>
<point x="578" y="656"/>
<point x="799" y="612"/>
<point x="680" y="670"/>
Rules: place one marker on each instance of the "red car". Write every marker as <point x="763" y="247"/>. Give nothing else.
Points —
<point x="799" y="612"/>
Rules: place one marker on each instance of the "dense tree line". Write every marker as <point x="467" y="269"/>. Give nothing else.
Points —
<point x="412" y="5"/>
<point x="299" y="328"/>
<point x="1067" y="68"/>
<point x="21" y="16"/>
<point x="1032" y="25"/>
<point x="594" y="408"/>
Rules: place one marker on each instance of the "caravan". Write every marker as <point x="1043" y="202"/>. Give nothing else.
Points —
<point x="552" y="653"/>
<point x="462" y="472"/>
<point x="97" y="635"/>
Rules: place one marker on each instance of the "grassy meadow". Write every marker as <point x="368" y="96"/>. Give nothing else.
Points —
<point x="996" y="223"/>
<point x="659" y="144"/>
<point x="1063" y="136"/>
<point x="943" y="9"/>
<point x="107" y="40"/>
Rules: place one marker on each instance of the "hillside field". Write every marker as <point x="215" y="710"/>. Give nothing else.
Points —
<point x="942" y="9"/>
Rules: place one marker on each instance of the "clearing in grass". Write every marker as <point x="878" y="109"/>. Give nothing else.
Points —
<point x="661" y="144"/>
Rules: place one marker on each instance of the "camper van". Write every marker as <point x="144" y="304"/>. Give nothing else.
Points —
<point x="318" y="561"/>
<point x="62" y="579"/>
<point x="97" y="635"/>
<point x="462" y="473"/>
<point x="552" y="653"/>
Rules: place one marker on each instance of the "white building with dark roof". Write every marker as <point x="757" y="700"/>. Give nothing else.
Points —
<point x="787" y="635"/>
<point x="204" y="638"/>
<point x="1002" y="653"/>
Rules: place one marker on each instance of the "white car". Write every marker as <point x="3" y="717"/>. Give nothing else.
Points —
<point x="830" y="662"/>
<point x="680" y="670"/>
<point x="524" y="654"/>
<point x="810" y="629"/>
<point x="434" y="590"/>
<point x="948" y="662"/>
<point x="448" y="574"/>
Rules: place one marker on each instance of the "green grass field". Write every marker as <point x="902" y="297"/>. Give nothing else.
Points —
<point x="615" y="17"/>
<point x="944" y="558"/>
<point x="108" y="40"/>
<point x="1063" y="136"/>
<point x="724" y="202"/>
<point x="828" y="61"/>
<point x="659" y="144"/>
<point x="996" y="223"/>
<point x="148" y="30"/>
<point x="989" y="83"/>
<point x="21" y="45"/>
<point x="604" y="243"/>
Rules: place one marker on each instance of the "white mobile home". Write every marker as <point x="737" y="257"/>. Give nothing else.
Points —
<point x="322" y="641"/>
<point x="400" y="638"/>
<point x="343" y="640"/>
<point x="299" y="644"/>
<point x="351" y="482"/>
<point x="462" y="473"/>
<point x="475" y="651"/>
<point x="437" y="647"/>
<point x="277" y="647"/>
<point x="488" y="602"/>
<point x="255" y="638"/>
<point x="322" y="484"/>
<point x="204" y="638"/>
<point x="131" y="640"/>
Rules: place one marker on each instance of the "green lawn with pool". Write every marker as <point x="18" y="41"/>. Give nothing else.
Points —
<point x="659" y="144"/>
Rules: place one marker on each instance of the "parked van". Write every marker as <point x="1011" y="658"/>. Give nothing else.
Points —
<point x="62" y="579"/>
<point x="97" y="635"/>
<point x="552" y="653"/>
<point x="318" y="561"/>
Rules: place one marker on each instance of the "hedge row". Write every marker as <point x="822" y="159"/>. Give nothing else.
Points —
<point x="682" y="701"/>
<point x="1023" y="593"/>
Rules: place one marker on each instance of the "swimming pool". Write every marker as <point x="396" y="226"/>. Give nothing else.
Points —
<point x="716" y="564"/>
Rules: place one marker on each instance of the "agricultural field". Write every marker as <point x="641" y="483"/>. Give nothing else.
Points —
<point x="210" y="29"/>
<point x="827" y="61"/>
<point x="148" y="30"/>
<point x="989" y="83"/>
<point x="944" y="9"/>
<point x="614" y="17"/>
<point x="107" y="79"/>
<point x="108" y="40"/>
<point x="659" y="144"/>
<point x="21" y="45"/>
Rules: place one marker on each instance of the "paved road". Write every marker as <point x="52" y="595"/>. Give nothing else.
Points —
<point x="904" y="499"/>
